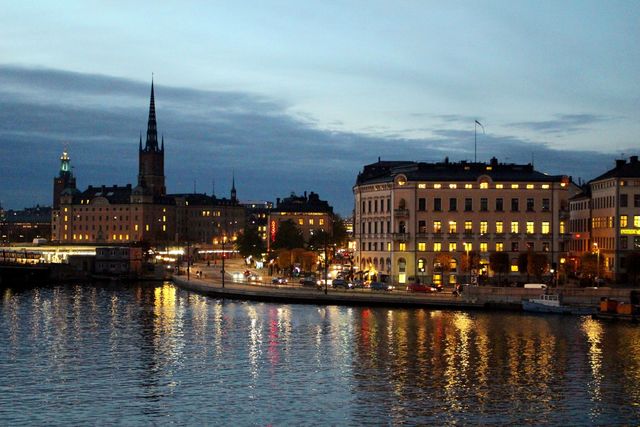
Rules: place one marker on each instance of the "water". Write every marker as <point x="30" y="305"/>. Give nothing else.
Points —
<point x="155" y="354"/>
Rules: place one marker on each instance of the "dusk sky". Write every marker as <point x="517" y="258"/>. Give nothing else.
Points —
<point x="296" y="96"/>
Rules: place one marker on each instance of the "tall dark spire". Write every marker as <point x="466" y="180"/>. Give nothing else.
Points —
<point x="152" y="130"/>
<point x="233" y="187"/>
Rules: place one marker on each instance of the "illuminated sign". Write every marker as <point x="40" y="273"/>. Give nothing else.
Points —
<point x="630" y="231"/>
<point x="273" y="228"/>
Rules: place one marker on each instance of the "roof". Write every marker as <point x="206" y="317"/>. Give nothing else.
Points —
<point x="311" y="203"/>
<point x="623" y="169"/>
<point x="115" y="195"/>
<point x="447" y="171"/>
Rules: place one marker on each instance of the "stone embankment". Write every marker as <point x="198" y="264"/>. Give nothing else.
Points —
<point x="471" y="298"/>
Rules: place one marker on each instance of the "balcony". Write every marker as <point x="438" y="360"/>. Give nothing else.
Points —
<point x="400" y="237"/>
<point x="437" y="235"/>
<point x="401" y="213"/>
<point x="422" y="235"/>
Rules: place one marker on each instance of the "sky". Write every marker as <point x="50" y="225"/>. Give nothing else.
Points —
<point x="294" y="96"/>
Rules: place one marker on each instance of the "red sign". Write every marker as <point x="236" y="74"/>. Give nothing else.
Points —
<point x="273" y="228"/>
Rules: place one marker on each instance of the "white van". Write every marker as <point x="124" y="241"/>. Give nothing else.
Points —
<point x="535" y="286"/>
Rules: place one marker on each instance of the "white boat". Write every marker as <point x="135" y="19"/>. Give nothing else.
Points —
<point x="545" y="303"/>
<point x="550" y="303"/>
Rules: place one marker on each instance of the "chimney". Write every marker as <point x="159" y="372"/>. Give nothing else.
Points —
<point x="633" y="159"/>
<point x="494" y="161"/>
<point x="620" y="163"/>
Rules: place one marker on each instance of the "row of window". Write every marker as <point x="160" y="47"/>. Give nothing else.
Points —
<point x="609" y="201"/>
<point x="609" y="221"/>
<point x="530" y="227"/>
<point x="485" y="186"/>
<point x="484" y="204"/>
<point x="452" y="246"/>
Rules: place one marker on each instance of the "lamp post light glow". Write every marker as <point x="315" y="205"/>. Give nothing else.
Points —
<point x="595" y="245"/>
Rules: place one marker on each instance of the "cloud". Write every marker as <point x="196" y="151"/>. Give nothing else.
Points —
<point x="210" y="135"/>
<point x="563" y="124"/>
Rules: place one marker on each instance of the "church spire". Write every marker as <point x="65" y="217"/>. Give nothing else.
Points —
<point x="152" y="131"/>
<point x="233" y="187"/>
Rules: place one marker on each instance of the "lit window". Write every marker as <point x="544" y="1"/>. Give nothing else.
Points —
<point x="300" y="221"/>
<point x="437" y="185"/>
<point x="499" y="246"/>
<point x="146" y="227"/>
<point x="514" y="226"/>
<point x="389" y="246"/>
<point x="422" y="185"/>
<point x="437" y="247"/>
<point x="453" y="227"/>
<point x="126" y="237"/>
<point x="468" y="246"/>
<point x="468" y="225"/>
<point x="135" y="227"/>
<point x="514" y="268"/>
<point x="545" y="227"/>
<point x="164" y="218"/>
<point x="484" y="185"/>
<point x="468" y="186"/>
<point x="66" y="218"/>
<point x="311" y="221"/>
<point x="530" y="228"/>
<point x="499" y="186"/>
<point x="545" y="186"/>
<point x="453" y="185"/>
<point x="422" y="246"/>
<point x="321" y="221"/>
<point x="562" y="231"/>
<point x="636" y="221"/>
<point x="453" y="246"/>
<point x="515" y="186"/>
<point x="483" y="227"/>
<point x="114" y="237"/>
<point x="529" y="186"/>
<point x="484" y="246"/>
<point x="499" y="227"/>
<point x="164" y="227"/>
<point x="403" y="247"/>
<point x="623" y="220"/>
<point x="437" y="226"/>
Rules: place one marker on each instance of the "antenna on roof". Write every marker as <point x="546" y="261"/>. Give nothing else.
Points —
<point x="475" y="140"/>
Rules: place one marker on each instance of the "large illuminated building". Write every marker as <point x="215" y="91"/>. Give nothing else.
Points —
<point x="606" y="218"/>
<point x="141" y="214"/>
<point x="308" y="212"/>
<point x="411" y="217"/>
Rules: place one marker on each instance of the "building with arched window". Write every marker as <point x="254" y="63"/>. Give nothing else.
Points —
<point x="439" y="222"/>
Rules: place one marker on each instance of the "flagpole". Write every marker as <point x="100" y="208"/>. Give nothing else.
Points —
<point x="475" y="141"/>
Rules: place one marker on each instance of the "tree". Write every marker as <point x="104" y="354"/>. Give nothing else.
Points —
<point x="249" y="243"/>
<point x="339" y="233"/>
<point x="319" y="240"/>
<point x="589" y="265"/>
<point x="537" y="264"/>
<point x="499" y="263"/>
<point x="469" y="262"/>
<point x="442" y="263"/>
<point x="633" y="266"/>
<point x="288" y="236"/>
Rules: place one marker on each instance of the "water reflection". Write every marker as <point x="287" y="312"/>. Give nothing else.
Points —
<point x="156" y="354"/>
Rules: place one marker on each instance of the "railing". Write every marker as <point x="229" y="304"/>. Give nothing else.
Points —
<point x="400" y="237"/>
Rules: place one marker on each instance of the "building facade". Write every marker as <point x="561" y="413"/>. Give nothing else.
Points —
<point x="412" y="218"/>
<point x="117" y="215"/>
<point x="612" y="204"/>
<point x="309" y="213"/>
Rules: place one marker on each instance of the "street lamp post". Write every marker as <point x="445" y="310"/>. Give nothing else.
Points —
<point x="466" y="248"/>
<point x="597" y="260"/>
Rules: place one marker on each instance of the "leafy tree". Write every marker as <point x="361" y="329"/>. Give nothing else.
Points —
<point x="339" y="232"/>
<point x="288" y="236"/>
<point x="589" y="264"/>
<point x="319" y="240"/>
<point x="523" y="263"/>
<point x="442" y="264"/>
<point x="249" y="242"/>
<point x="469" y="262"/>
<point x="537" y="264"/>
<point x="633" y="266"/>
<point x="499" y="263"/>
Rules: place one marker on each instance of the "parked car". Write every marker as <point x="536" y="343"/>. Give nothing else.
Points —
<point x="381" y="286"/>
<point x="309" y="281"/>
<point x="421" y="287"/>
<point x="341" y="283"/>
<point x="279" y="281"/>
<point x="252" y="277"/>
<point x="357" y="283"/>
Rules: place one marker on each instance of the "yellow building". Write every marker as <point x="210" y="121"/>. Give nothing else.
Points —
<point x="407" y="214"/>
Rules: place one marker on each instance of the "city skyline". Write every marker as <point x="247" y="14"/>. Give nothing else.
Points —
<point x="301" y="97"/>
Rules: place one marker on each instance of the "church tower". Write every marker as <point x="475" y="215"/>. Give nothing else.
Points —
<point x="64" y="180"/>
<point x="151" y="157"/>
<point x="234" y="198"/>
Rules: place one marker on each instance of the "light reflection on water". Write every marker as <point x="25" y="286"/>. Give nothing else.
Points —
<point x="149" y="354"/>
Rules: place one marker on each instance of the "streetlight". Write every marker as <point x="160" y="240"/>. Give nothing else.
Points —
<point x="595" y="245"/>
<point x="466" y="248"/>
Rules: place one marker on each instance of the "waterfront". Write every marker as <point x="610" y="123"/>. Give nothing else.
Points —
<point x="155" y="354"/>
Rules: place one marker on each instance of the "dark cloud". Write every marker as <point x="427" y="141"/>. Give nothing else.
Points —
<point x="210" y="135"/>
<point x="563" y="123"/>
